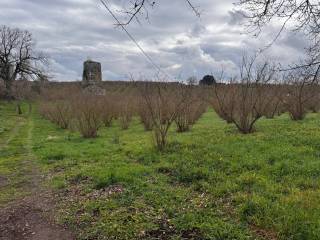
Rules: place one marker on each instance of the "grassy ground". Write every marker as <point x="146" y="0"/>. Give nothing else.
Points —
<point x="15" y="150"/>
<point x="210" y="183"/>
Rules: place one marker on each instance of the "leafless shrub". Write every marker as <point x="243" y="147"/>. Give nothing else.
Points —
<point x="223" y="102"/>
<point x="58" y="112"/>
<point x="190" y="111"/>
<point x="109" y="112"/>
<point x="144" y="115"/>
<point x="87" y="114"/>
<point x="125" y="112"/>
<point x="314" y="104"/>
<point x="198" y="110"/>
<point x="301" y="92"/>
<point x="273" y="106"/>
<point x="182" y="120"/>
<point x="163" y="102"/>
<point x="245" y="101"/>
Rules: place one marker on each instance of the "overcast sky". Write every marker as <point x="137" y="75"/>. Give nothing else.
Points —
<point x="71" y="31"/>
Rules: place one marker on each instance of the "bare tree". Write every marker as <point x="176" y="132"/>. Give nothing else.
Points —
<point x="17" y="57"/>
<point x="297" y="15"/>
<point x="300" y="14"/>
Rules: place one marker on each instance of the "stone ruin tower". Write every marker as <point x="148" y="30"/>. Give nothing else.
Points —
<point x="92" y="78"/>
<point x="91" y="73"/>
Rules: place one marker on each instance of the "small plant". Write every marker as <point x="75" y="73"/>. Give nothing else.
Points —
<point x="115" y="139"/>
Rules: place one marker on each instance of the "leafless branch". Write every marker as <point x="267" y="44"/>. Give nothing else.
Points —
<point x="140" y="8"/>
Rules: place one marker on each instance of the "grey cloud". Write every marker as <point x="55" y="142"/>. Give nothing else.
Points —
<point x="183" y="45"/>
<point x="237" y="17"/>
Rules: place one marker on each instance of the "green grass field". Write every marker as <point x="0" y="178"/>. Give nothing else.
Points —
<point x="210" y="183"/>
<point x="15" y="150"/>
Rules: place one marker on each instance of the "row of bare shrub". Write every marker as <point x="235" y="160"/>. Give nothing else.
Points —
<point x="158" y="105"/>
<point x="242" y="101"/>
<point x="85" y="112"/>
<point x="79" y="112"/>
<point x="301" y="92"/>
<point x="258" y="93"/>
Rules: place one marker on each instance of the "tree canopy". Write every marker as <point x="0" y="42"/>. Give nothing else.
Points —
<point x="208" y="80"/>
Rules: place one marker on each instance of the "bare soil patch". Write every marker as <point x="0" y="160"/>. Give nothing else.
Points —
<point x="264" y="233"/>
<point x="31" y="219"/>
<point x="166" y="231"/>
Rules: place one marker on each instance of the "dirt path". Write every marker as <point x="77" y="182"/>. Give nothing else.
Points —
<point x="31" y="218"/>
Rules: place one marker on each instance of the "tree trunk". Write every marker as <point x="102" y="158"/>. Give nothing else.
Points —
<point x="30" y="108"/>
<point x="8" y="90"/>
<point x="18" y="108"/>
<point x="9" y="78"/>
